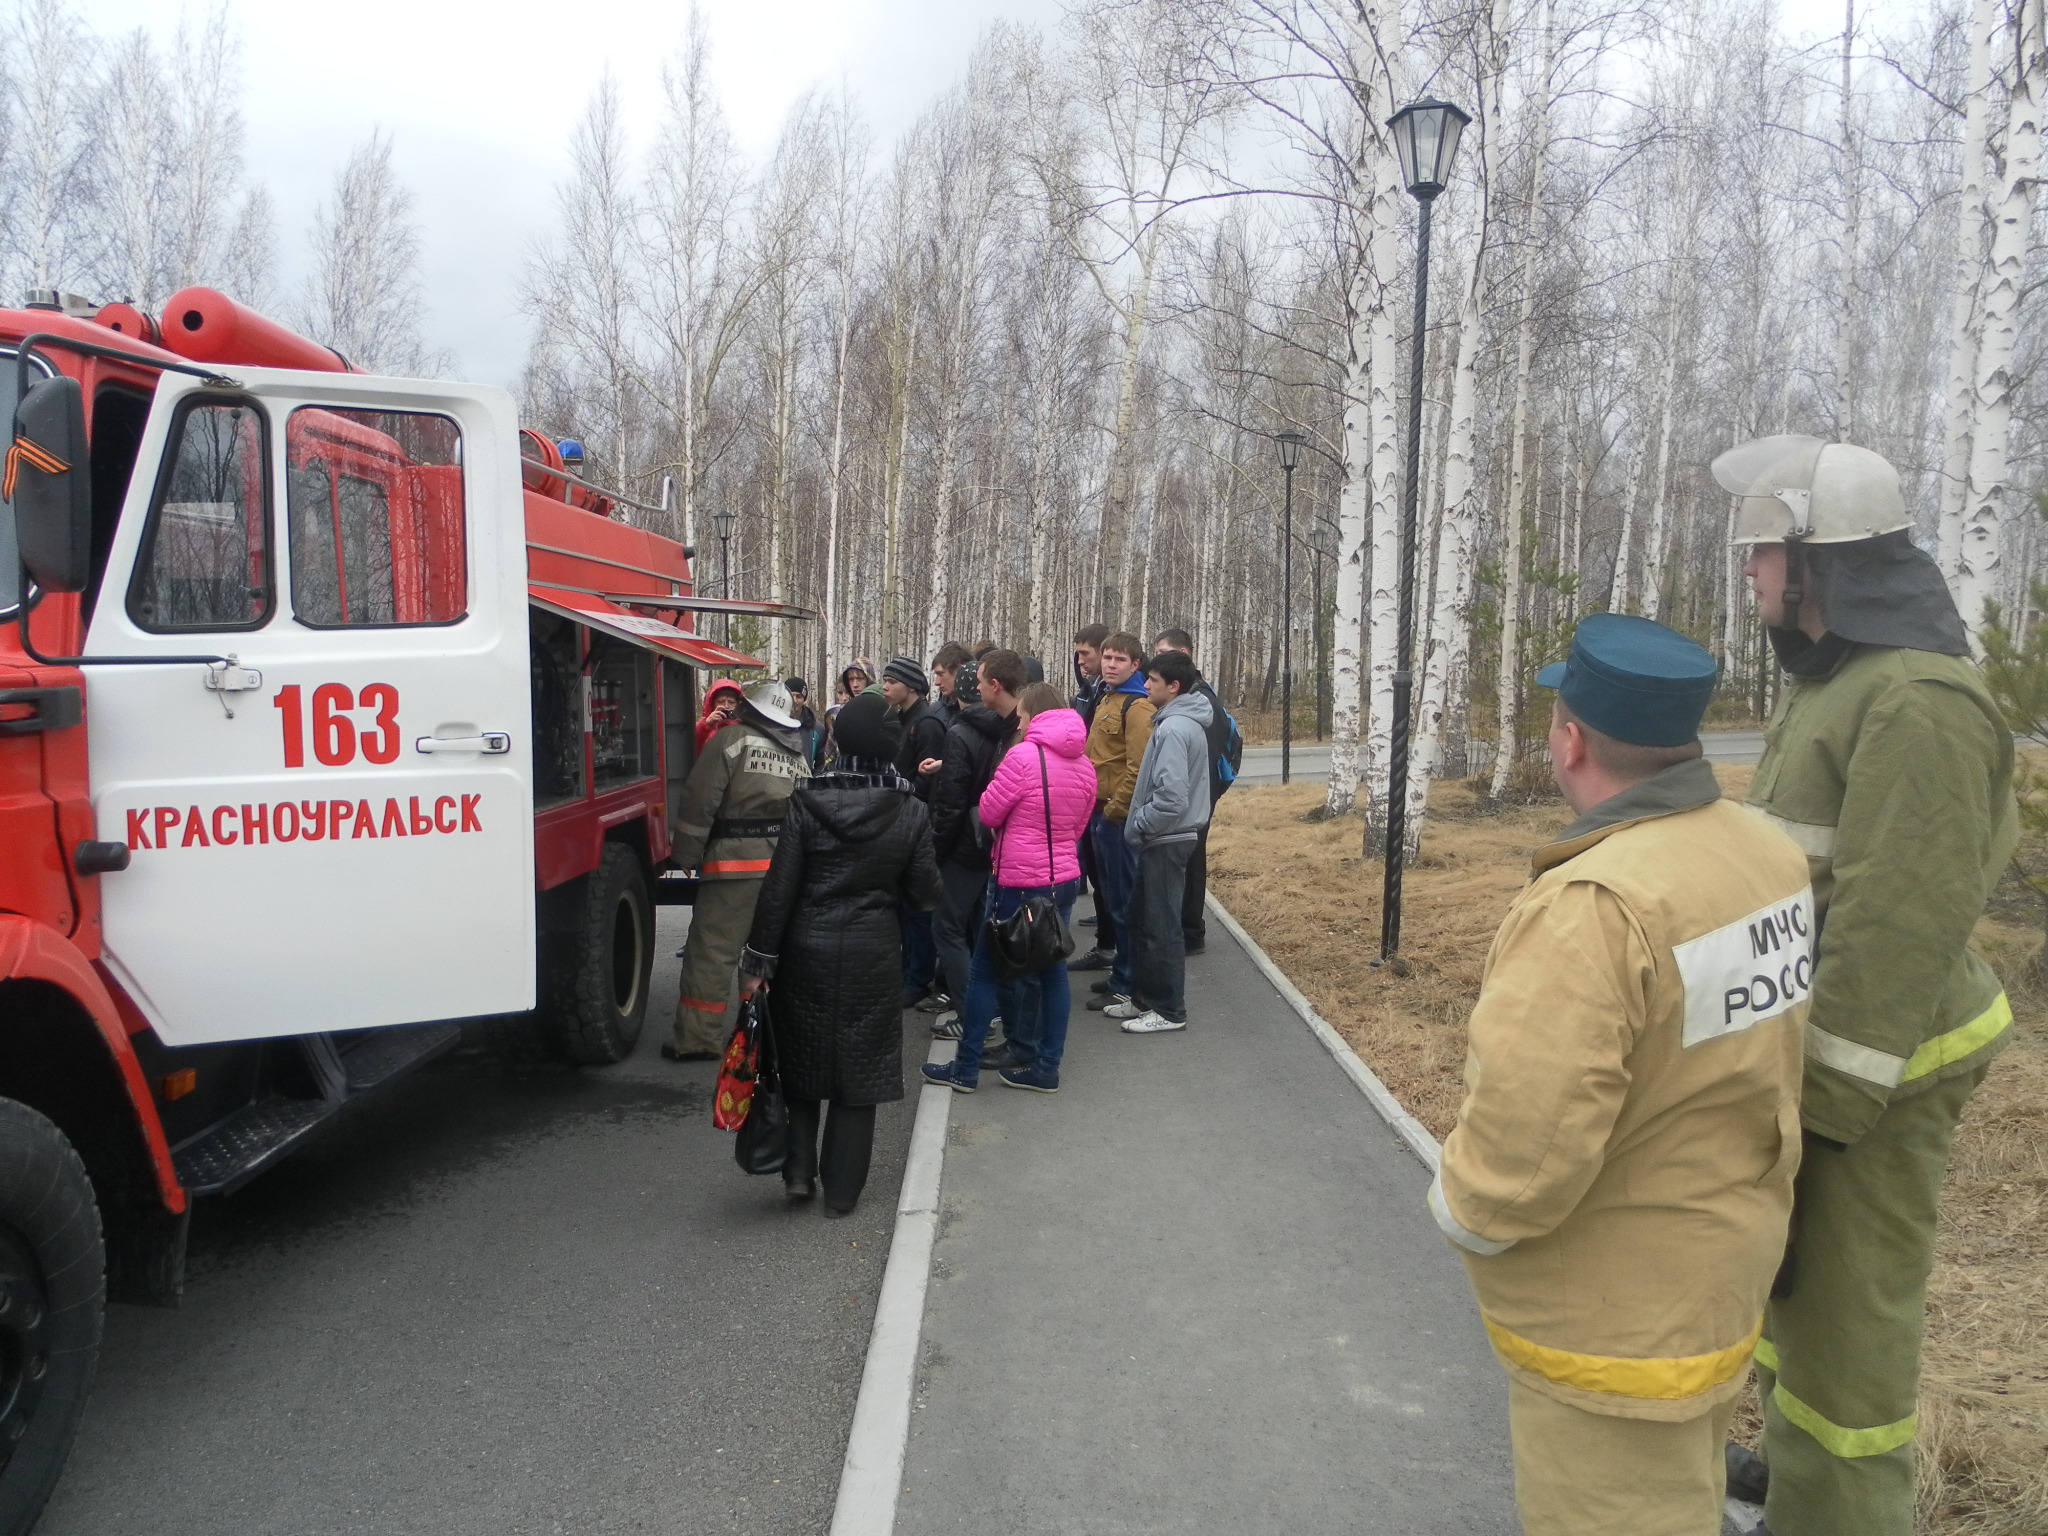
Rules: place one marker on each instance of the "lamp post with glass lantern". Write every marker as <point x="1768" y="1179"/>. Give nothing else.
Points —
<point x="723" y="521"/>
<point x="1426" y="136"/>
<point x="1290" y="443"/>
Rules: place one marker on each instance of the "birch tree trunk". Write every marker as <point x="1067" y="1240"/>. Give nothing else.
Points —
<point x="1448" y="653"/>
<point x="1984" y="506"/>
<point x="1964" y="320"/>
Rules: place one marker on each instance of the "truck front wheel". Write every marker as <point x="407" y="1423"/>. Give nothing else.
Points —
<point x="52" y="1302"/>
<point x="600" y="991"/>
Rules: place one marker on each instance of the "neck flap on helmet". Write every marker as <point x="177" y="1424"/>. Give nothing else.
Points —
<point x="1881" y="591"/>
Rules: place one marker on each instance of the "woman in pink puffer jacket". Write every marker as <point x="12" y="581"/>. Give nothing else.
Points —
<point x="1045" y="776"/>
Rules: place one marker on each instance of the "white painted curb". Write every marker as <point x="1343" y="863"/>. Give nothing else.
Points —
<point x="872" y="1475"/>
<point x="1404" y="1125"/>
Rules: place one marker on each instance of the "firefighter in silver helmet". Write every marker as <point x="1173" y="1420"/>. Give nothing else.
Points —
<point x="1889" y="764"/>
<point x="726" y="824"/>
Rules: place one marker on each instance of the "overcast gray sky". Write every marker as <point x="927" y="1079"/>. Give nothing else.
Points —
<point x="480" y="100"/>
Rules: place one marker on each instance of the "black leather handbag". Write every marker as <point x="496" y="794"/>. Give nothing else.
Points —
<point x="763" y="1140"/>
<point x="1032" y="937"/>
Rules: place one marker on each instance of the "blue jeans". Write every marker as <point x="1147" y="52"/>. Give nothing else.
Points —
<point x="920" y="953"/>
<point x="1034" y="1007"/>
<point x="1116" y="873"/>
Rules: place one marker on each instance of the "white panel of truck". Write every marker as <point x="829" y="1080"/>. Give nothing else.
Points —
<point x="337" y="831"/>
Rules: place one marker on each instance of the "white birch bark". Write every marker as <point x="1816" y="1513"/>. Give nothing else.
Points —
<point x="1959" y="407"/>
<point x="1984" y="506"/>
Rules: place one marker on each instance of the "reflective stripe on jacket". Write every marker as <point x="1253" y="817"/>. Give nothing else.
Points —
<point x="1620" y="1177"/>
<point x="1893" y="773"/>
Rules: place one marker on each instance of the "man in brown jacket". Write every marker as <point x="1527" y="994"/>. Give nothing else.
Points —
<point x="1620" y="1179"/>
<point x="1116" y="746"/>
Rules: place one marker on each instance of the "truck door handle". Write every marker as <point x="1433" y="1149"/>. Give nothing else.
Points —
<point x="490" y="743"/>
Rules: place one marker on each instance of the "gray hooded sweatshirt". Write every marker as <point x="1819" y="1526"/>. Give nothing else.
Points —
<point x="1171" y="800"/>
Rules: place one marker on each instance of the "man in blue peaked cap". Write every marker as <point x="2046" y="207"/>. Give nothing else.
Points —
<point x="1620" y="1178"/>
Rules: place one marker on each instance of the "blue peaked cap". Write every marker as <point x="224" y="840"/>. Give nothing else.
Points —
<point x="1635" y="680"/>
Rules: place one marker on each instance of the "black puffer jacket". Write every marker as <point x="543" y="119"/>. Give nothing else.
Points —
<point x="974" y="745"/>
<point x="826" y="933"/>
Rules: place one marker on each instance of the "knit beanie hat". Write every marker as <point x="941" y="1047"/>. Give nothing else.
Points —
<point x="908" y="673"/>
<point x="868" y="729"/>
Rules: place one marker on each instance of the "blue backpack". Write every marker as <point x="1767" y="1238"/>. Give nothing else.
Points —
<point x="1226" y="746"/>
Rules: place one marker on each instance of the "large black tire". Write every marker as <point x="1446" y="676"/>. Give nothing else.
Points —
<point x="52" y="1304"/>
<point x="597" y="995"/>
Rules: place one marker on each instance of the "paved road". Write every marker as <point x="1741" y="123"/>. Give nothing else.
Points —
<point x="498" y="1304"/>
<point x="1198" y="1293"/>
<point x="1311" y="759"/>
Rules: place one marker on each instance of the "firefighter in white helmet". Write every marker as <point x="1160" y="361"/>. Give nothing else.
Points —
<point x="726" y="824"/>
<point x="1620" y="1177"/>
<point x="1890" y="765"/>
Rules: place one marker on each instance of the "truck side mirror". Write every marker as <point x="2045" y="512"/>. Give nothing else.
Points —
<point x="49" y="480"/>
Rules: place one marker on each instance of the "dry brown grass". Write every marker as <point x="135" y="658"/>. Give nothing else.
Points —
<point x="1304" y="890"/>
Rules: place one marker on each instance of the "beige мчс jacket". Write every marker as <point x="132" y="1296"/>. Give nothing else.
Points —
<point x="1620" y="1179"/>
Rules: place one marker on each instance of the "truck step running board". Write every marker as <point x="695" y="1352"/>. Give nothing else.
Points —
<point x="247" y="1142"/>
<point x="378" y="1056"/>
<point x="233" y="1152"/>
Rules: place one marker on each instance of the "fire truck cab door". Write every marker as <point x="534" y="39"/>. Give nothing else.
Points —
<point x="336" y="830"/>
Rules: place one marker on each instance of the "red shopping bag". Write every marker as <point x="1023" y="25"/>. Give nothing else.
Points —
<point x="739" y="1072"/>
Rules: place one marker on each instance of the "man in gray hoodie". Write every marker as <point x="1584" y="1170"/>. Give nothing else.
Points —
<point x="1169" y="808"/>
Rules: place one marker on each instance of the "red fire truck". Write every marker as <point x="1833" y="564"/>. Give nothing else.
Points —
<point x="335" y="712"/>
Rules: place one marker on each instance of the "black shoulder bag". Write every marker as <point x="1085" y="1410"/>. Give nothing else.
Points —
<point x="1032" y="937"/>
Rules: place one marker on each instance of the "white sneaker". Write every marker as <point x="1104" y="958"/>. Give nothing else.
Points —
<point x="1150" y="1023"/>
<point x="1124" y="1010"/>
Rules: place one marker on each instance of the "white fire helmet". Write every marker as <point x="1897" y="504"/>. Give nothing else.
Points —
<point x="772" y="703"/>
<point x="1793" y="486"/>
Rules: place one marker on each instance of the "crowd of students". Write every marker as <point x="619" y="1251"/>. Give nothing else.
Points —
<point x="925" y="808"/>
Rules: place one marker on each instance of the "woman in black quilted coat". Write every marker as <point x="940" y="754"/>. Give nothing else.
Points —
<point x="827" y="944"/>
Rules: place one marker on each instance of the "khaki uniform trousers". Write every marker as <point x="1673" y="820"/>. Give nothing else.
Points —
<point x="1592" y="1474"/>
<point x="719" y="923"/>
<point x="1839" y="1365"/>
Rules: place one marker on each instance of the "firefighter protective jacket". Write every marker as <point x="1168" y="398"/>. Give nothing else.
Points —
<point x="730" y="814"/>
<point x="1117" y="738"/>
<point x="1620" y="1178"/>
<point x="1892" y="770"/>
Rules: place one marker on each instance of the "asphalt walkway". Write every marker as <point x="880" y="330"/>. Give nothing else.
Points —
<point x="1195" y="1292"/>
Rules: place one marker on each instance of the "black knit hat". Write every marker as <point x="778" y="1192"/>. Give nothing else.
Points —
<point x="868" y="729"/>
<point x="908" y="673"/>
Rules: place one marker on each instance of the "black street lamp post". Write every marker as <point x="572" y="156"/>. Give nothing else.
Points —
<point x="1290" y="443"/>
<point x="1426" y="138"/>
<point x="724" y="521"/>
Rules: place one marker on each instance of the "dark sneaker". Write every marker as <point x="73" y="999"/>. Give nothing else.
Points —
<point x="1000" y="1059"/>
<point x="948" y="1028"/>
<point x="1084" y="922"/>
<point x="935" y="1001"/>
<point x="669" y="1052"/>
<point x="1100" y="984"/>
<point x="947" y="1074"/>
<point x="1030" y="1077"/>
<point x="1194" y="946"/>
<point x="1749" y="1475"/>
<point x="1097" y="959"/>
<point x="1107" y="1000"/>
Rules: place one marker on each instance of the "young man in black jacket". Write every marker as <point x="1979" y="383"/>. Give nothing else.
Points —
<point x="908" y="691"/>
<point x="974" y="745"/>
<point x="1194" y="914"/>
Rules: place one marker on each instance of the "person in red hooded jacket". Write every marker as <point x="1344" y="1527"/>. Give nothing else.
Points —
<point x="721" y="708"/>
<point x="1036" y="807"/>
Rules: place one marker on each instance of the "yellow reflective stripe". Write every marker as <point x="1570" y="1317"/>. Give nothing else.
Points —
<point x="1836" y="1440"/>
<point x="1767" y="1354"/>
<point x="1942" y="1050"/>
<point x="1620" y="1375"/>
